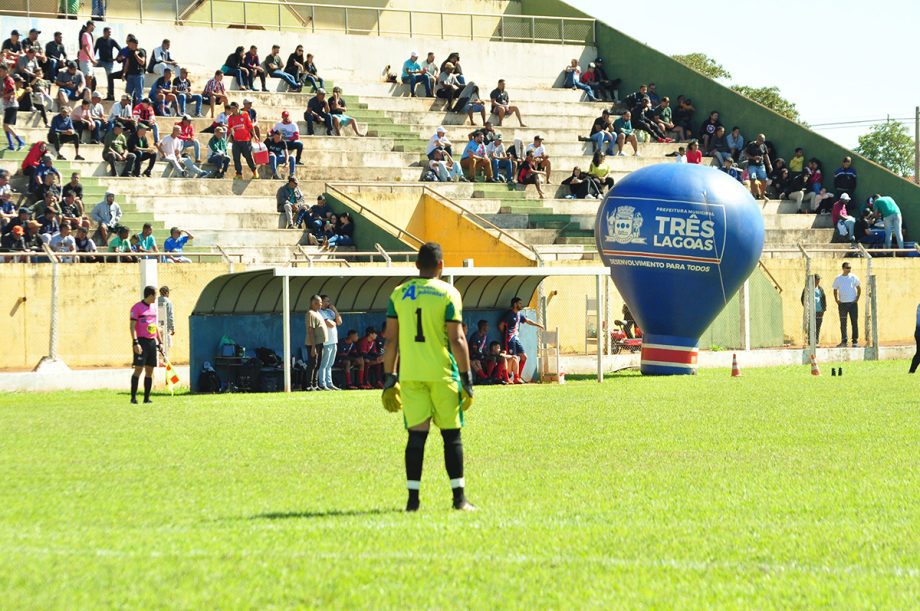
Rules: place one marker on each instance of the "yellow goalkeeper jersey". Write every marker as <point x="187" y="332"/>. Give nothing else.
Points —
<point x="423" y="306"/>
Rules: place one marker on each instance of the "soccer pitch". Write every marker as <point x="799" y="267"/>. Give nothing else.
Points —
<point x="773" y="490"/>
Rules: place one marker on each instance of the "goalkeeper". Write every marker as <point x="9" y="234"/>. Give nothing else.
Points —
<point x="434" y="384"/>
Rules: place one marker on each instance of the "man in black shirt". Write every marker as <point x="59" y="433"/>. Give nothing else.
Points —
<point x="12" y="44"/>
<point x="135" y="63"/>
<point x="604" y="85"/>
<point x="106" y="50"/>
<point x="501" y="105"/>
<point x="140" y="146"/>
<point x="75" y="187"/>
<point x="55" y="56"/>
<point x="31" y="42"/>
<point x="602" y="134"/>
<point x="318" y="110"/>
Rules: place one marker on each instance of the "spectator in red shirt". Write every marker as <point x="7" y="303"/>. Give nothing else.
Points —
<point x="694" y="154"/>
<point x="373" y="360"/>
<point x="143" y="113"/>
<point x="187" y="136"/>
<point x="239" y="125"/>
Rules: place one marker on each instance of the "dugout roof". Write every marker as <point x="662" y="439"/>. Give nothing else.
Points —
<point x="365" y="290"/>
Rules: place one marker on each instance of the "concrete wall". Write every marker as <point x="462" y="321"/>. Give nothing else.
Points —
<point x="94" y="301"/>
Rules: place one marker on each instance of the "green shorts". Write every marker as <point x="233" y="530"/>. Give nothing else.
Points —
<point x="439" y="401"/>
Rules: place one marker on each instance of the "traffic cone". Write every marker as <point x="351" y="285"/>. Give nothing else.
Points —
<point x="736" y="371"/>
<point x="814" y="367"/>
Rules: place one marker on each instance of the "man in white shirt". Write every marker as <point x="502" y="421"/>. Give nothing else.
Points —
<point x="430" y="69"/>
<point x="171" y="148"/>
<point x="63" y="242"/>
<point x="122" y="113"/>
<point x="439" y="137"/>
<point x="847" y="291"/>
<point x="162" y="59"/>
<point x="502" y="164"/>
<point x="290" y="133"/>
<point x="541" y="159"/>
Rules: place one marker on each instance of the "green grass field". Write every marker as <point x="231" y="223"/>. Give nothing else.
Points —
<point x="774" y="490"/>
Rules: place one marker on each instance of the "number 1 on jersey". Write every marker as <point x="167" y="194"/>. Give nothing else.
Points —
<point x="419" y="334"/>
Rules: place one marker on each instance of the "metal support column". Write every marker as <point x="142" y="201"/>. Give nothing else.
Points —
<point x="286" y="322"/>
<point x="744" y="303"/>
<point x="600" y="352"/>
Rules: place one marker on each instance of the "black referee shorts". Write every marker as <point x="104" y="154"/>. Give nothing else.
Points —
<point x="148" y="355"/>
<point x="9" y="116"/>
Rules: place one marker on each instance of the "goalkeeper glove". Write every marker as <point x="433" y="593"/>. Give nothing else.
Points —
<point x="392" y="402"/>
<point x="466" y="382"/>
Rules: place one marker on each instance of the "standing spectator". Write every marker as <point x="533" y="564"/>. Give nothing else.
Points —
<point x="600" y="171"/>
<point x="845" y="178"/>
<point x="318" y="111"/>
<point x="107" y="215"/>
<point x="10" y="106"/>
<point x="623" y="129"/>
<point x="140" y="147"/>
<point x="694" y="154"/>
<point x="847" y="291"/>
<point x="310" y="74"/>
<point x="187" y="136"/>
<point x="290" y="133"/>
<point x="135" y="64"/>
<point x="278" y="155"/>
<point x="295" y="65"/>
<point x="719" y="148"/>
<point x="239" y="126"/>
<point x="116" y="150"/>
<point x="602" y="133"/>
<point x="55" y="55"/>
<point x="214" y="92"/>
<point x="333" y="320"/>
<point x="820" y="309"/>
<point x="107" y="48"/>
<point x="253" y="64"/>
<point x="174" y="244"/>
<point x="540" y="157"/>
<point x="233" y="66"/>
<point x="62" y="131"/>
<point x="171" y="148"/>
<point x="510" y="325"/>
<point x="182" y="87"/>
<point x="315" y="341"/>
<point x="162" y="59"/>
<point x="412" y="75"/>
<point x="708" y="129"/>
<point x="274" y="67"/>
<point x="886" y="209"/>
<point x="736" y="144"/>
<point x="503" y="167"/>
<point x="501" y="104"/>
<point x="290" y="201"/>
<point x="759" y="165"/>
<point x="166" y="320"/>
<point x="528" y="174"/>
<point x="449" y="86"/>
<point x="86" y="56"/>
<point x="217" y="152"/>
<point x="474" y="158"/>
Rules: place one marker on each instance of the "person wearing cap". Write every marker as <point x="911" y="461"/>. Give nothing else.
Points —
<point x="252" y="63"/>
<point x="187" y="136"/>
<point x="31" y="42"/>
<point x="278" y="155"/>
<point x="214" y="92"/>
<point x="503" y="167"/>
<point x="540" y="158"/>
<point x="290" y="202"/>
<point x="10" y="105"/>
<point x="439" y="138"/>
<point x="106" y="49"/>
<point x="171" y="148"/>
<point x="62" y="131"/>
<point x="134" y="67"/>
<point x="318" y="111"/>
<point x="474" y="158"/>
<point x="412" y="75"/>
<point x="449" y="87"/>
<point x="845" y="178"/>
<point x="888" y="211"/>
<point x="139" y="145"/>
<point x="122" y="113"/>
<point x="12" y="45"/>
<point x="116" y="150"/>
<point x="174" y="244"/>
<point x="274" y="67"/>
<point x="71" y="85"/>
<point x="22" y="218"/>
<point x="163" y="95"/>
<point x="106" y="214"/>
<point x="290" y="134"/>
<point x="55" y="55"/>
<point x="217" y="152"/>
<point x="841" y="219"/>
<point x="847" y="291"/>
<point x="144" y="114"/>
<point x="606" y="87"/>
<point x="239" y="127"/>
<point x="572" y="79"/>
<point x="15" y="240"/>
<point x="182" y="87"/>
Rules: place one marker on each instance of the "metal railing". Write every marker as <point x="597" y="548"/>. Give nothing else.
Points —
<point x="43" y="256"/>
<point x="282" y="15"/>
<point x="341" y="257"/>
<point x="397" y="232"/>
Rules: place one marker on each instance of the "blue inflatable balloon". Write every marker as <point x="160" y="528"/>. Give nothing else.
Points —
<point x="680" y="239"/>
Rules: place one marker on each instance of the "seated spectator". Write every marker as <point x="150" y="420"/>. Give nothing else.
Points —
<point x="310" y="74"/>
<point x="431" y="70"/>
<point x="449" y="86"/>
<point x="759" y="165"/>
<point x="454" y="60"/>
<point x="8" y="210"/>
<point x="528" y="174"/>
<point x="116" y="150"/>
<point x="139" y="146"/>
<point x="540" y="157"/>
<point x="735" y="143"/>
<point x="475" y="104"/>
<point x="253" y="64"/>
<point x="815" y="193"/>
<point x="623" y="129"/>
<point x="294" y="66"/>
<point x="146" y="243"/>
<point x="48" y="219"/>
<point x="412" y="75"/>
<point x="122" y="113"/>
<point x="84" y="243"/>
<point x="863" y="229"/>
<point x="778" y="178"/>
<point x="174" y="244"/>
<point x="107" y="215"/>
<point x="344" y="233"/>
<point x="349" y="360"/>
<point x="214" y="92"/>
<point x="797" y="164"/>
<point x="233" y="66"/>
<point x="845" y="178"/>
<point x="290" y="201"/>
<point x="589" y="78"/>
<point x="218" y="155"/>
<point x="318" y="112"/>
<point x="633" y="99"/>
<point x="600" y="172"/>
<point x="75" y="187"/>
<point x="162" y="60"/>
<point x="664" y="119"/>
<point x="62" y="131"/>
<point x="373" y="360"/>
<point x="474" y="158"/>
<point x="439" y="138"/>
<point x="278" y="155"/>
<point x="606" y="88"/>
<point x="503" y="167"/>
<point x="163" y="95"/>
<point x="21" y="220"/>
<point x="83" y="123"/>
<point x="694" y="154"/>
<point x="144" y="115"/>
<point x="40" y="181"/>
<point x="316" y="216"/>
<point x="338" y="110"/>
<point x="581" y="185"/>
<point x="121" y="243"/>
<point x="171" y="148"/>
<point x="444" y="166"/>
<point x="501" y="104"/>
<point x="290" y="134"/>
<point x="573" y="80"/>
<point x="708" y="129"/>
<point x="274" y="67"/>
<point x="652" y="94"/>
<point x="602" y="133"/>
<point x="841" y="219"/>
<point x="72" y="211"/>
<point x="71" y="85"/>
<point x="477" y="343"/>
<point x="496" y="364"/>
<point x="729" y="167"/>
<point x="683" y="115"/>
<point x="719" y="148"/>
<point x="187" y="136"/>
<point x="40" y="96"/>
<point x="220" y="121"/>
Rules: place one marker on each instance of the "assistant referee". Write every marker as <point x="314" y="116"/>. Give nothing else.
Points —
<point x="144" y="335"/>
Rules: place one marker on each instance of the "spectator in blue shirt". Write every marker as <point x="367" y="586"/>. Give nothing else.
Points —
<point x="735" y="143"/>
<point x="174" y="243"/>
<point x="474" y="158"/>
<point x="62" y="131"/>
<point x="845" y="178"/>
<point x="412" y="75"/>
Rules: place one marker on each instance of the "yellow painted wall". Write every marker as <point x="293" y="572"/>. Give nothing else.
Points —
<point x="94" y="301"/>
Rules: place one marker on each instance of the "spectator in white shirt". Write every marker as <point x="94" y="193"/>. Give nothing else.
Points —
<point x="290" y="133"/>
<point x="541" y="159"/>
<point x="430" y="70"/>
<point x="439" y="138"/>
<point x="123" y="113"/>
<point x="162" y="59"/>
<point x="502" y="164"/>
<point x="444" y="167"/>
<point x="171" y="148"/>
<point x="847" y="291"/>
<point x="63" y="242"/>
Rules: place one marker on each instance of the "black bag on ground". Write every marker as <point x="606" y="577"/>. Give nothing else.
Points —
<point x="209" y="382"/>
<point x="268" y="357"/>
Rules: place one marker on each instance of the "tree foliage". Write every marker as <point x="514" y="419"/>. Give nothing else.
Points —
<point x="889" y="144"/>
<point x="703" y="64"/>
<point x="771" y="98"/>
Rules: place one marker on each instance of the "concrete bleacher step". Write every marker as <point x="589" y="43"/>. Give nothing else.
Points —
<point x="518" y="93"/>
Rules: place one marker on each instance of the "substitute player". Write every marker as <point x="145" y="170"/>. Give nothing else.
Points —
<point x="424" y="328"/>
<point x="510" y="325"/>
<point x="145" y="335"/>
